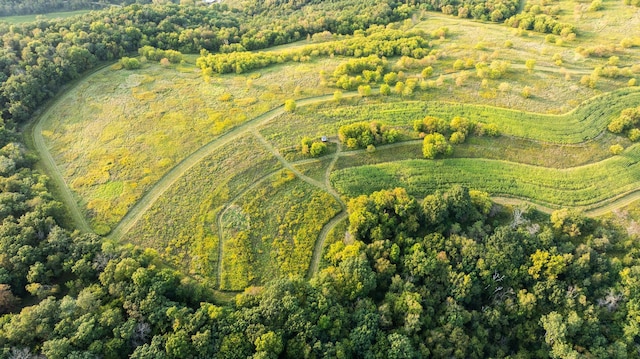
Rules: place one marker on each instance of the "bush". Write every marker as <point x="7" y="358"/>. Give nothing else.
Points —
<point x="435" y="144"/>
<point x="290" y="105"/>
<point x="337" y="95"/>
<point x="460" y="124"/>
<point x="385" y="90"/>
<point x="616" y="149"/>
<point x="362" y="134"/>
<point x="629" y="118"/>
<point x="306" y="144"/>
<point x="426" y="72"/>
<point x="634" y="134"/>
<point x="431" y="124"/>
<point x="595" y="5"/>
<point x="318" y="149"/>
<point x="457" y="137"/>
<point x="491" y="129"/>
<point x="364" y="90"/>
<point x="130" y="63"/>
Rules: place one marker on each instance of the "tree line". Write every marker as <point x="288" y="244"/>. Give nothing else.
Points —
<point x="451" y="276"/>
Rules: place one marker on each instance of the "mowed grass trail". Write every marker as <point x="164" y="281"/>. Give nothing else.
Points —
<point x="581" y="124"/>
<point x="587" y="186"/>
<point x="116" y="133"/>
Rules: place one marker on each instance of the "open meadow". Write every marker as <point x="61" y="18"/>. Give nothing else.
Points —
<point x="116" y="134"/>
<point x="204" y="160"/>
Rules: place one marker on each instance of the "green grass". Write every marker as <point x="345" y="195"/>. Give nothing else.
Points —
<point x="281" y="231"/>
<point x="117" y="133"/>
<point x="131" y="127"/>
<point x="584" y="186"/>
<point x="583" y="123"/>
<point x="315" y="169"/>
<point x="337" y="234"/>
<point x="18" y="19"/>
<point x="505" y="148"/>
<point x="182" y="224"/>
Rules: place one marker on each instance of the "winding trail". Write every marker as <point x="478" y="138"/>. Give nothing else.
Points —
<point x="169" y="178"/>
<point x="224" y="211"/>
<point x="326" y="186"/>
<point x="595" y="210"/>
<point x="322" y="237"/>
<point x="33" y="136"/>
<point x="251" y="127"/>
<point x="288" y="164"/>
<point x="56" y="177"/>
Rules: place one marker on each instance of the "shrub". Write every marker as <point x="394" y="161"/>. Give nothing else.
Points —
<point x="628" y="119"/>
<point x="130" y="63"/>
<point x="491" y="129"/>
<point x="337" y="95"/>
<point x="306" y="144"/>
<point x="426" y="72"/>
<point x="390" y="79"/>
<point x="362" y="134"/>
<point x="460" y="124"/>
<point x="435" y="144"/>
<point x="616" y="149"/>
<point x="290" y="105"/>
<point x="385" y="90"/>
<point x="318" y="149"/>
<point x="457" y="137"/>
<point x="595" y="5"/>
<point x="364" y="90"/>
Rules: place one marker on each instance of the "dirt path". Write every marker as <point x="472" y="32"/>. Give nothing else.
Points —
<point x="595" y="210"/>
<point x="319" y="246"/>
<point x="34" y="134"/>
<point x="326" y="186"/>
<point x="56" y="177"/>
<point x="169" y="178"/>
<point x="224" y="210"/>
<point x="33" y="137"/>
<point x="316" y="256"/>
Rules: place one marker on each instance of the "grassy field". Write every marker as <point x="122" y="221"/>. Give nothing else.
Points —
<point x="583" y="123"/>
<point x="505" y="148"/>
<point x="188" y="234"/>
<point x="265" y="239"/>
<point x="29" y="18"/>
<point x="584" y="186"/>
<point x="116" y="133"/>
<point x="208" y="169"/>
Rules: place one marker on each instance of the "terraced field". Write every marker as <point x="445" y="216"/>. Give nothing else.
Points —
<point x="209" y="172"/>
<point x="585" y="187"/>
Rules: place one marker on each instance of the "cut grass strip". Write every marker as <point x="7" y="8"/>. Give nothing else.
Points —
<point x="583" y="123"/>
<point x="587" y="186"/>
<point x="181" y="224"/>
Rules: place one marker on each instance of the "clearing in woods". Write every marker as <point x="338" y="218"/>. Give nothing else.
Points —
<point x="208" y="170"/>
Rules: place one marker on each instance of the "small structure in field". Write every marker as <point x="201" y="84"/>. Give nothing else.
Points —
<point x="324" y="139"/>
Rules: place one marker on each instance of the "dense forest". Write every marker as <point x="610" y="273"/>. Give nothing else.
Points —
<point x="451" y="275"/>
